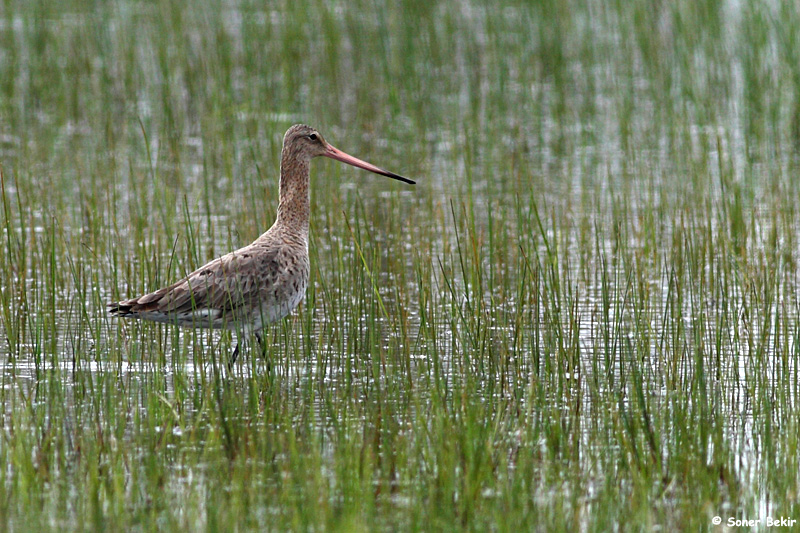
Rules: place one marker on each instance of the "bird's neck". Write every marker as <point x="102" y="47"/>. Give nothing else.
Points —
<point x="295" y="204"/>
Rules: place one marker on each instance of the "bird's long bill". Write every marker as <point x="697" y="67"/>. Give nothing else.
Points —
<point x="335" y="153"/>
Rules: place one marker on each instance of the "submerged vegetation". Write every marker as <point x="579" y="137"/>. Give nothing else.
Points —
<point x="584" y="316"/>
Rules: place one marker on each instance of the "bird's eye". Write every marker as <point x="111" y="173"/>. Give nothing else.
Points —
<point x="312" y="137"/>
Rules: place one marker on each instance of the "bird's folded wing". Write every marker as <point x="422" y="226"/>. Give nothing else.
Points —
<point x="225" y="284"/>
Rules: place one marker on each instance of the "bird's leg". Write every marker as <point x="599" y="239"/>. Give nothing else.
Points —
<point x="263" y="345"/>
<point x="234" y="355"/>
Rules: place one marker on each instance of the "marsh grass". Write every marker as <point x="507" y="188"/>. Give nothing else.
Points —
<point x="584" y="316"/>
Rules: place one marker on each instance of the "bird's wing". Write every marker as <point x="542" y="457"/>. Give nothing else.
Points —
<point x="227" y="283"/>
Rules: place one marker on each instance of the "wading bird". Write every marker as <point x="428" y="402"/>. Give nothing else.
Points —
<point x="264" y="281"/>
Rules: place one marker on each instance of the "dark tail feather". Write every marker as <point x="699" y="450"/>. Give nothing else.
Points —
<point x="121" y="309"/>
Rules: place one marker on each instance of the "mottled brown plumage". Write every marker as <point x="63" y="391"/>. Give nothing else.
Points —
<point x="264" y="281"/>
